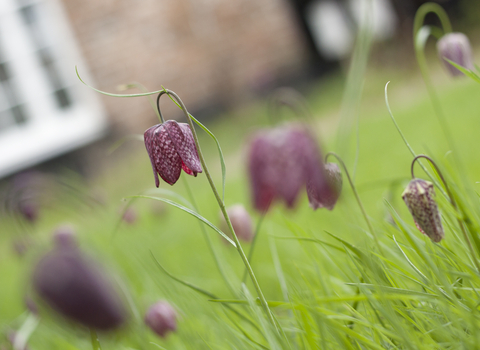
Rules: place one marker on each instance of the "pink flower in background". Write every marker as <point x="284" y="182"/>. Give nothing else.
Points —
<point x="161" y="317"/>
<point x="455" y="47"/>
<point x="241" y="221"/>
<point x="282" y="161"/>
<point x="171" y="148"/>
<point x="77" y="288"/>
<point x="327" y="199"/>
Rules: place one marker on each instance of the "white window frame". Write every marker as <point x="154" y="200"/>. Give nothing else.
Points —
<point x="49" y="130"/>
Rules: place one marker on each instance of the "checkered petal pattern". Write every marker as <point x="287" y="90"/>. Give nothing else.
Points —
<point x="419" y="198"/>
<point x="326" y="199"/>
<point x="281" y="162"/>
<point x="171" y="148"/>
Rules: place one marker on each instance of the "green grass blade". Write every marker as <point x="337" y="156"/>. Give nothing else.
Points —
<point x="191" y="212"/>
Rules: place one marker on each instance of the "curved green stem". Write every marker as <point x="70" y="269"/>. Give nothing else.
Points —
<point x="421" y="34"/>
<point x="209" y="241"/>
<point x="162" y="120"/>
<point x="254" y="243"/>
<point x="221" y="204"/>
<point x="406" y="142"/>
<point x="352" y="185"/>
<point x="436" y="9"/>
<point x="94" y="339"/>
<point x="454" y="205"/>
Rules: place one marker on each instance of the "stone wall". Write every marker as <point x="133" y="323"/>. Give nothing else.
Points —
<point x="205" y="50"/>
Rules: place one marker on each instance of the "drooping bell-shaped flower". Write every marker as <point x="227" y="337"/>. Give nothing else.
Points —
<point x="171" y="148"/>
<point x="455" y="47"/>
<point x="419" y="198"/>
<point x="282" y="161"/>
<point x="161" y="317"/>
<point x="75" y="287"/>
<point x="241" y="221"/>
<point x="326" y="199"/>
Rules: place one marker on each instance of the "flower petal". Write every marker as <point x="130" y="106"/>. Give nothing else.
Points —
<point x="259" y="169"/>
<point x="167" y="160"/>
<point x="326" y="199"/>
<point x="148" y="138"/>
<point x="182" y="139"/>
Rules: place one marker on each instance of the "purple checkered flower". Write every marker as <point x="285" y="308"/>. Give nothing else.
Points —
<point x="171" y="148"/>
<point x="281" y="162"/>
<point x="326" y="199"/>
<point x="455" y="47"/>
<point x="419" y="196"/>
<point x="161" y="317"/>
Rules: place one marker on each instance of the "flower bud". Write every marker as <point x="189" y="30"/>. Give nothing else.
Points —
<point x="327" y="199"/>
<point x="129" y="215"/>
<point x="161" y="318"/>
<point x="77" y="289"/>
<point x="455" y="47"/>
<point x="241" y="222"/>
<point x="65" y="236"/>
<point x="419" y="198"/>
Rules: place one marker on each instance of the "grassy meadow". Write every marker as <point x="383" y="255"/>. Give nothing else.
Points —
<point x="327" y="281"/>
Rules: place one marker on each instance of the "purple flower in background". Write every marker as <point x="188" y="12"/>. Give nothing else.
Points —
<point x="74" y="286"/>
<point x="419" y="198"/>
<point x="455" y="47"/>
<point x="282" y="161"/>
<point x="161" y="317"/>
<point x="327" y="199"/>
<point x="241" y="222"/>
<point x="65" y="236"/>
<point x="171" y="148"/>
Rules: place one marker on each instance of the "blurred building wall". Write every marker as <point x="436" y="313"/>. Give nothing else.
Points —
<point x="211" y="52"/>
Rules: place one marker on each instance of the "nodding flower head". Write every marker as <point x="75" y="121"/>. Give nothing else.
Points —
<point x="281" y="161"/>
<point x="455" y="47"/>
<point x="326" y="199"/>
<point x="171" y="148"/>
<point x="419" y="198"/>
<point x="161" y="317"/>
<point x="74" y="286"/>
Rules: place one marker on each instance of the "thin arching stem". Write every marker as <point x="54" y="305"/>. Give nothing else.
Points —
<point x="352" y="185"/>
<point x="427" y="8"/>
<point x="254" y="243"/>
<point x="221" y="204"/>
<point x="421" y="34"/>
<point x="158" y="106"/>
<point x="453" y="202"/>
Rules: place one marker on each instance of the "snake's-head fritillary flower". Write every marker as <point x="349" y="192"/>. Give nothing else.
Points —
<point x="171" y="148"/>
<point x="75" y="287"/>
<point x="161" y="317"/>
<point x="282" y="161"/>
<point x="241" y="221"/>
<point x="327" y="198"/>
<point x="419" y="198"/>
<point x="455" y="47"/>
